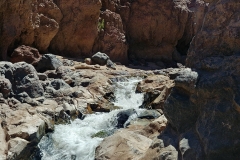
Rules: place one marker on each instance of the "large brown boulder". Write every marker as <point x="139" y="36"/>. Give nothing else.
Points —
<point x="25" y="54"/>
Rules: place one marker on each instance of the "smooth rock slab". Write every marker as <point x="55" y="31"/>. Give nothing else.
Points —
<point x="123" y="145"/>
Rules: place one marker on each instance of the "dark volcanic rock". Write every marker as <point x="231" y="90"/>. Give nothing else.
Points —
<point x="211" y="108"/>
<point x="100" y="58"/>
<point x="123" y="117"/>
<point x="23" y="78"/>
<point x="48" y="62"/>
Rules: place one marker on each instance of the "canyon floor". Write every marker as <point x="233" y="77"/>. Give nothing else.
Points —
<point x="32" y="103"/>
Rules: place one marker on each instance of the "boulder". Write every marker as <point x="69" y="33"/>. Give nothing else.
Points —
<point x="48" y="62"/>
<point x="149" y="114"/>
<point x="23" y="78"/>
<point x="25" y="54"/>
<point x="123" y="145"/>
<point x="3" y="142"/>
<point x="16" y="147"/>
<point x="156" y="89"/>
<point x="123" y="116"/>
<point x="179" y="107"/>
<point x="100" y="58"/>
<point x="42" y="76"/>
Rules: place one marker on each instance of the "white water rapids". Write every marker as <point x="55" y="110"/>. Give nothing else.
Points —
<point x="74" y="142"/>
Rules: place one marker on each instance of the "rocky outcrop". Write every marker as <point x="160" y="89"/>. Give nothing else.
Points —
<point x="204" y="109"/>
<point x="149" y="30"/>
<point x="136" y="142"/>
<point x="112" y="39"/>
<point x="78" y="29"/>
<point x="23" y="78"/>
<point x="218" y="35"/>
<point x="28" y="22"/>
<point x="156" y="89"/>
<point x="155" y="27"/>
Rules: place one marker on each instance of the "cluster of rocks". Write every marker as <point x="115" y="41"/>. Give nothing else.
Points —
<point x="35" y="97"/>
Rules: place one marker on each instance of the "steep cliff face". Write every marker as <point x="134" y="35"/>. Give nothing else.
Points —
<point x="150" y="30"/>
<point x="210" y="107"/>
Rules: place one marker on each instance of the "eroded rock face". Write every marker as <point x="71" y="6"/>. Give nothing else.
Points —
<point x="209" y="107"/>
<point x="112" y="39"/>
<point x="218" y="36"/>
<point x="29" y="23"/>
<point x="150" y="30"/>
<point x="79" y="27"/>
<point x="155" y="27"/>
<point x="156" y="89"/>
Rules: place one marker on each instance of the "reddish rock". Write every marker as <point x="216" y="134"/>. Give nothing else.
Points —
<point x="25" y="54"/>
<point x="112" y="40"/>
<point x="28" y="23"/>
<point x="155" y="27"/>
<point x="78" y="29"/>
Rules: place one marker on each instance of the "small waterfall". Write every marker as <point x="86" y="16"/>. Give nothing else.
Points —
<point x="75" y="141"/>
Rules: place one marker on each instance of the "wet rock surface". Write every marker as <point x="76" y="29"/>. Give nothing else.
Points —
<point x="32" y="103"/>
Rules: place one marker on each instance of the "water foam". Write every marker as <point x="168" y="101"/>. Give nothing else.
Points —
<point x="74" y="141"/>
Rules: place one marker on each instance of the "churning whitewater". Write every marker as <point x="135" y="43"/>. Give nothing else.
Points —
<point x="74" y="141"/>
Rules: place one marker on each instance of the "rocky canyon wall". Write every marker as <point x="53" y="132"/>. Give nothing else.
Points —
<point x="142" y="29"/>
<point x="205" y="103"/>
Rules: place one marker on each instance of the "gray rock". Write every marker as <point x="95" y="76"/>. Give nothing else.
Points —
<point x="100" y="58"/>
<point x="123" y="116"/>
<point x="48" y="62"/>
<point x="63" y="71"/>
<point x="59" y="84"/>
<point x="110" y="64"/>
<point x="23" y="78"/>
<point x="42" y="76"/>
<point x="189" y="146"/>
<point x="24" y="98"/>
<point x="5" y="87"/>
<point x="149" y="114"/>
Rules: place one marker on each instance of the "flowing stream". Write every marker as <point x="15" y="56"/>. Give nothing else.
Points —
<point x="74" y="141"/>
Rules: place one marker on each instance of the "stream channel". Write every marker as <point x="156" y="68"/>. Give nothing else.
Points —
<point x="75" y="141"/>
